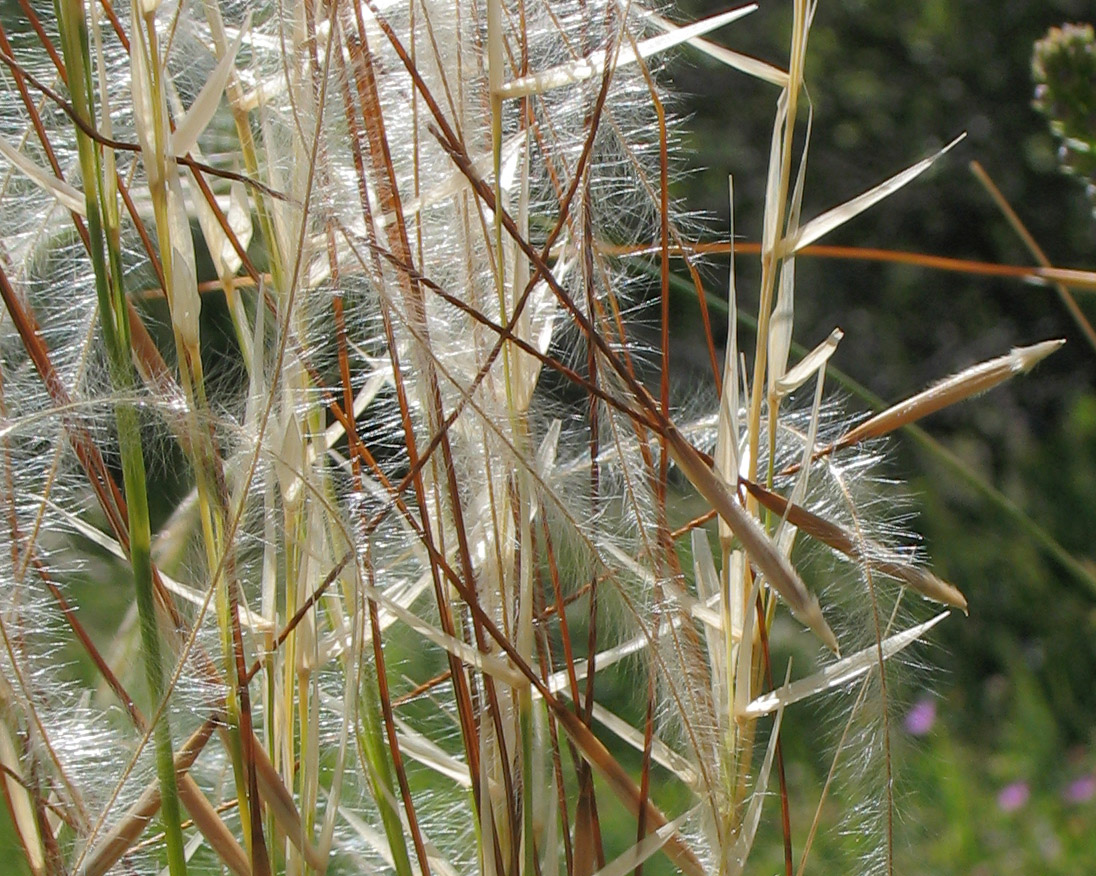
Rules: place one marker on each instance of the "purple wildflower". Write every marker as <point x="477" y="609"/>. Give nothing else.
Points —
<point x="1013" y="796"/>
<point x="1081" y="789"/>
<point x="921" y="717"/>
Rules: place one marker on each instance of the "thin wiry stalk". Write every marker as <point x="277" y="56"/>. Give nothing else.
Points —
<point x="1068" y="301"/>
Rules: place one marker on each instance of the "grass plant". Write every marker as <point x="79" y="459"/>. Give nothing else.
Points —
<point x="431" y="458"/>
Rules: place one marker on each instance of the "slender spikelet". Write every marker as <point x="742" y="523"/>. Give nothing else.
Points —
<point x="970" y="382"/>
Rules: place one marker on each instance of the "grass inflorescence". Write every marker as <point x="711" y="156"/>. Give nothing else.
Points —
<point x="367" y="272"/>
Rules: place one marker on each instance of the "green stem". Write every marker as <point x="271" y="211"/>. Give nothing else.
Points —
<point x="107" y="264"/>
<point x="374" y="756"/>
<point x="140" y="543"/>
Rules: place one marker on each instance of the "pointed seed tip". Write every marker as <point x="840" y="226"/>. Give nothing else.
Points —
<point x="814" y="619"/>
<point x="1028" y="357"/>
